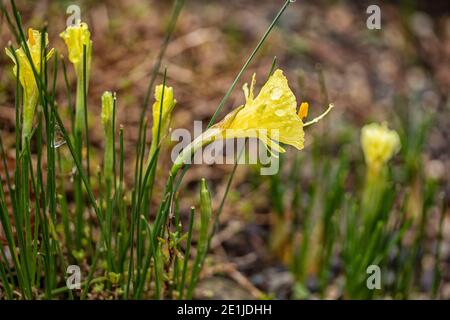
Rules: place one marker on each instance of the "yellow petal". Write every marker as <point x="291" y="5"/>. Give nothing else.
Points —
<point x="245" y="89"/>
<point x="252" y="87"/>
<point x="9" y="54"/>
<point x="262" y="135"/>
<point x="31" y="37"/>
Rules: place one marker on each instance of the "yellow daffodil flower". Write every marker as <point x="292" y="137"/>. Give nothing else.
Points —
<point x="272" y="112"/>
<point x="379" y="144"/>
<point x="271" y="117"/>
<point x="167" y="106"/>
<point x="76" y="37"/>
<point x="26" y="75"/>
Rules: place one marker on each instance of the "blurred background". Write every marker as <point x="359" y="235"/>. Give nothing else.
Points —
<point x="399" y="74"/>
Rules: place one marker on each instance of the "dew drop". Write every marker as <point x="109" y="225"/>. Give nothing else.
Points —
<point x="279" y="112"/>
<point x="276" y="93"/>
<point x="58" y="139"/>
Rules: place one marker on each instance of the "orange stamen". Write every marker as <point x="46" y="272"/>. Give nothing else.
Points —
<point x="303" y="110"/>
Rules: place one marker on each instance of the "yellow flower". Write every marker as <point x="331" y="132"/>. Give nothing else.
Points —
<point x="271" y="117"/>
<point x="26" y="75"/>
<point x="379" y="144"/>
<point x="75" y="38"/>
<point x="167" y="108"/>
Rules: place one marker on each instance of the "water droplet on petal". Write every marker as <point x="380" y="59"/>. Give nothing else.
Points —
<point x="58" y="139"/>
<point x="280" y="112"/>
<point x="276" y="93"/>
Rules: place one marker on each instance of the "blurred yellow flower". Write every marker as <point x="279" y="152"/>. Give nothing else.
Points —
<point x="379" y="144"/>
<point x="26" y="75"/>
<point x="76" y="37"/>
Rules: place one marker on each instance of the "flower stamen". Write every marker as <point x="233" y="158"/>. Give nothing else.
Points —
<point x="317" y="119"/>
